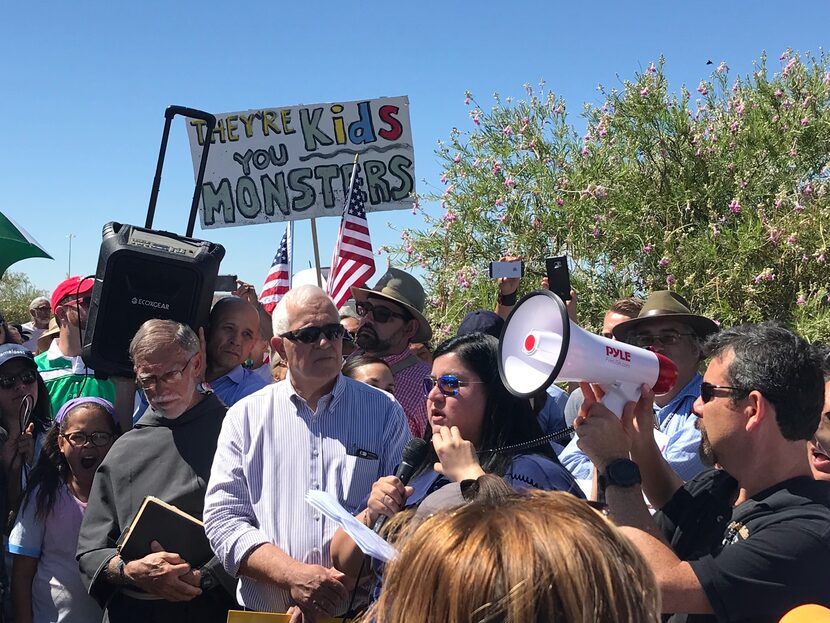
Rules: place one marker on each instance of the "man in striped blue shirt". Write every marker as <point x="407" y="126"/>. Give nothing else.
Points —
<point x="315" y="430"/>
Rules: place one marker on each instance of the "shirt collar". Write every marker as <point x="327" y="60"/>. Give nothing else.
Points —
<point x="690" y="390"/>
<point x="55" y="352"/>
<point x="393" y="359"/>
<point x="325" y="402"/>
<point x="237" y="375"/>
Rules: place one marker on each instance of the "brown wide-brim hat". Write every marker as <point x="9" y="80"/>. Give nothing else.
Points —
<point x="666" y="305"/>
<point x="46" y="337"/>
<point x="403" y="289"/>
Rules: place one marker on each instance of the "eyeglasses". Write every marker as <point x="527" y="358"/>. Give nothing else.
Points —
<point x="311" y="335"/>
<point x="448" y="384"/>
<point x="79" y="439"/>
<point x="380" y="314"/>
<point x="665" y="339"/>
<point x="152" y="381"/>
<point x="43" y="310"/>
<point x="27" y="377"/>
<point x="707" y="391"/>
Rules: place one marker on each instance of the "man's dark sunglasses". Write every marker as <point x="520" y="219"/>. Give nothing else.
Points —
<point x="310" y="335"/>
<point x="27" y="377"/>
<point x="707" y="391"/>
<point x="380" y="314"/>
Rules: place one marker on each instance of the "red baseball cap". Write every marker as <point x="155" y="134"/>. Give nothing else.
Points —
<point x="73" y="286"/>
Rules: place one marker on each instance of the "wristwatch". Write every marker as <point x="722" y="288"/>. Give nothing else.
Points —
<point x="120" y="566"/>
<point x="621" y="473"/>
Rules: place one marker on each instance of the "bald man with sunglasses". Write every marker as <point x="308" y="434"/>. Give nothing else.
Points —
<point x="316" y="430"/>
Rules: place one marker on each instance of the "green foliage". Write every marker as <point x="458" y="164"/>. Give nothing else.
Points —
<point x="723" y="197"/>
<point x="16" y="292"/>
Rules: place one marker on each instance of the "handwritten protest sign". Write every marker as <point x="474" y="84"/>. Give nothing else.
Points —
<point x="282" y="164"/>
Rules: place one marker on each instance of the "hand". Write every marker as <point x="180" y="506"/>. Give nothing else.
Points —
<point x="570" y="306"/>
<point x="638" y="422"/>
<point x="318" y="591"/>
<point x="203" y="351"/>
<point x="246" y="292"/>
<point x="160" y="573"/>
<point x="457" y="457"/>
<point x="386" y="498"/>
<point x="601" y="434"/>
<point x="508" y="285"/>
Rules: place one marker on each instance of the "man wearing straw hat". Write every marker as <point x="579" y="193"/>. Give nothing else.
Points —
<point x="666" y="325"/>
<point x="391" y="316"/>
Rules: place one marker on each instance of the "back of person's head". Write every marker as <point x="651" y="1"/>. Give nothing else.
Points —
<point x="541" y="557"/>
<point x="629" y="306"/>
<point x="508" y="420"/>
<point x="782" y="366"/>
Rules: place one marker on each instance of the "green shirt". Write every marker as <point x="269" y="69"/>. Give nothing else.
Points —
<point x="65" y="378"/>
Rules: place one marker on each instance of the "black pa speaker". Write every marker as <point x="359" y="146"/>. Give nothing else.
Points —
<point x="142" y="274"/>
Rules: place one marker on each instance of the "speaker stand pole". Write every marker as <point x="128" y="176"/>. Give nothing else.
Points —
<point x="316" y="252"/>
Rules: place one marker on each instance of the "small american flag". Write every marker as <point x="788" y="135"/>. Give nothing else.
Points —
<point x="278" y="281"/>
<point x="353" y="261"/>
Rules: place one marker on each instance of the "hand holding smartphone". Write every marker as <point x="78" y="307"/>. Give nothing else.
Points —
<point x="507" y="270"/>
<point x="559" y="278"/>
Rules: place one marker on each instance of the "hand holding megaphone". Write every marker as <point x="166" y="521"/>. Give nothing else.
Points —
<point x="540" y="345"/>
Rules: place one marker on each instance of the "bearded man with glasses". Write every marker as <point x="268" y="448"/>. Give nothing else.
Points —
<point x="391" y="318"/>
<point x="168" y="454"/>
<point x="316" y="430"/>
<point x="64" y="372"/>
<point x="666" y="325"/>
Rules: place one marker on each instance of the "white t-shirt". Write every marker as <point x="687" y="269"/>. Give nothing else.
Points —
<point x="58" y="594"/>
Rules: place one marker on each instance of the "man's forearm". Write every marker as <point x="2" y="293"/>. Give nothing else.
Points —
<point x="626" y="507"/>
<point x="660" y="481"/>
<point x="268" y="563"/>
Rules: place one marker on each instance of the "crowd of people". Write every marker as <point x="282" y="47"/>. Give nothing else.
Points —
<point x="708" y="503"/>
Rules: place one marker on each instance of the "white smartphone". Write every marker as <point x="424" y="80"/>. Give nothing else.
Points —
<point x="507" y="269"/>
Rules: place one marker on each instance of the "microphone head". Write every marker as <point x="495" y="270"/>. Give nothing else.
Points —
<point x="414" y="451"/>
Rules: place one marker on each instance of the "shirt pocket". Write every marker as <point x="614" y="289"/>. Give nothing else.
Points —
<point x="359" y="475"/>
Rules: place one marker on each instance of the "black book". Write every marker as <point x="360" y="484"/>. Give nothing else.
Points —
<point x="175" y="530"/>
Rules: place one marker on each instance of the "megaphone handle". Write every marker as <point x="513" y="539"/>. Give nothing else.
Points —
<point x="618" y="394"/>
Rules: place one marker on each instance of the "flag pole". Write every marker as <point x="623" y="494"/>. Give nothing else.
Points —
<point x="316" y="252"/>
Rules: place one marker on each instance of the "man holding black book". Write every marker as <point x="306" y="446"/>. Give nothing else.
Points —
<point x="167" y="455"/>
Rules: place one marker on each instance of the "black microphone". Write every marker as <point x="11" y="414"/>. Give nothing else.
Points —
<point x="412" y="456"/>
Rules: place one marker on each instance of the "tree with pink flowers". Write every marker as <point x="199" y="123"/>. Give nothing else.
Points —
<point x="720" y="194"/>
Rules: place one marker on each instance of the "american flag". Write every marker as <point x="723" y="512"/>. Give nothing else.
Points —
<point x="278" y="281"/>
<point x="353" y="261"/>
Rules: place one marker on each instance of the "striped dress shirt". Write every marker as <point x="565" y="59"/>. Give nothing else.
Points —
<point x="272" y="449"/>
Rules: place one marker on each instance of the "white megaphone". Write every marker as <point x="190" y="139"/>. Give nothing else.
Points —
<point x="539" y="345"/>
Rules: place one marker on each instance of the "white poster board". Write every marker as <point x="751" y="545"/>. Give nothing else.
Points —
<point x="282" y="164"/>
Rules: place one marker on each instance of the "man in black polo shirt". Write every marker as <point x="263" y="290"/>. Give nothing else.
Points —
<point x="743" y="541"/>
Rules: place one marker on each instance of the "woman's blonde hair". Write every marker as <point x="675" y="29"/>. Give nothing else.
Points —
<point x="535" y="557"/>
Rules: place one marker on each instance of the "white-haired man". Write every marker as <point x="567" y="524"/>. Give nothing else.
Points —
<point x="316" y="430"/>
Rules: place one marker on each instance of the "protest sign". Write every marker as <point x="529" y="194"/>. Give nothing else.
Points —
<point x="282" y="164"/>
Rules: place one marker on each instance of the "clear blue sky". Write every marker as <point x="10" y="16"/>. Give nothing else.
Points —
<point x="85" y="85"/>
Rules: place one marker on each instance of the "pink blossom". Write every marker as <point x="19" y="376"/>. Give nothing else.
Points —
<point x="499" y="201"/>
<point x="778" y="93"/>
<point x="508" y="130"/>
<point x="644" y="92"/>
<point x="409" y="249"/>
<point x="805" y="122"/>
<point x="801" y="300"/>
<point x="744" y="183"/>
<point x="647" y="249"/>
<point x="476" y="120"/>
<point x="560" y="202"/>
<point x="444" y="178"/>
<point x="652" y="69"/>
<point x="805" y="259"/>
<point x="820" y="258"/>
<point x="784" y="55"/>
<point x="733" y="126"/>
<point x="602" y="131"/>
<point x="787" y="104"/>
<point x="450" y="216"/>
<point x="462" y="281"/>
<point x="791" y="239"/>
<point x="777" y="204"/>
<point x="584" y="151"/>
<point x="510" y="182"/>
<point x="669" y="280"/>
<point x="457" y="158"/>
<point x="503" y="218"/>
<point x="774" y="235"/>
<point x="537" y="222"/>
<point x="715" y="232"/>
<point x="739" y="108"/>
<point x="596" y="233"/>
<point x="701" y="88"/>
<point x="775" y="118"/>
<point x="789" y="65"/>
<point x="735" y="206"/>
<point x="448" y="190"/>
<point x="798" y="208"/>
<point x="723" y="68"/>
<point x="807" y="190"/>
<point x="496" y="167"/>
<point x="600" y="192"/>
<point x="663" y="262"/>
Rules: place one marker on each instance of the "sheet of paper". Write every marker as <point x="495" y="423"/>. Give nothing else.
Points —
<point x="367" y="540"/>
